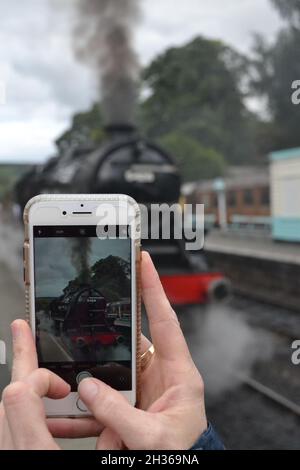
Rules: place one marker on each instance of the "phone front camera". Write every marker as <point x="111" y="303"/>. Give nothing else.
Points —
<point x="64" y="213"/>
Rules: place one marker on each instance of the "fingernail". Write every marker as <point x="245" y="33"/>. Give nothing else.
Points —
<point x="88" y="389"/>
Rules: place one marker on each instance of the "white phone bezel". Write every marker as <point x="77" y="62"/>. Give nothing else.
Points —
<point x="50" y="212"/>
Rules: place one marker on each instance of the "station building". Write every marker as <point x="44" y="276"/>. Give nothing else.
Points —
<point x="285" y="194"/>
<point x="243" y="196"/>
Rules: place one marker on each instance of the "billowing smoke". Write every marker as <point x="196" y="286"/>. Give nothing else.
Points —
<point x="224" y="346"/>
<point x="80" y="254"/>
<point x="103" y="39"/>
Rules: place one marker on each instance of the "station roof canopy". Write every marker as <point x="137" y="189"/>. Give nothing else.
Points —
<point x="239" y="178"/>
<point x="285" y="154"/>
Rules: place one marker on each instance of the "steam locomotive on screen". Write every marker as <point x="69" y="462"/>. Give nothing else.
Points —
<point x="87" y="319"/>
<point x="129" y="164"/>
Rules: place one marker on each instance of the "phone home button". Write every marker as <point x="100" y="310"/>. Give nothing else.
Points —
<point x="81" y="406"/>
<point x="83" y="375"/>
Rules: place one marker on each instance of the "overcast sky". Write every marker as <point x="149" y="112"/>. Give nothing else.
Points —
<point x="44" y="85"/>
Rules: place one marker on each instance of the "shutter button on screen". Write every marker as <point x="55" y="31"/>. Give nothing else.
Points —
<point x="81" y="406"/>
<point x="83" y="375"/>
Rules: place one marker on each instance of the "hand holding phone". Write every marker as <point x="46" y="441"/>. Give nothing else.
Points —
<point x="172" y="410"/>
<point x="23" y="423"/>
<point x="81" y="255"/>
<point x="172" y="398"/>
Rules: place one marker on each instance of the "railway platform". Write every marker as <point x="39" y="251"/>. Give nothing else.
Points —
<point x="253" y="245"/>
<point x="257" y="266"/>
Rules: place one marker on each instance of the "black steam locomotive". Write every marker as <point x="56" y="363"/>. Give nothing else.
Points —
<point x="129" y="164"/>
<point x="125" y="163"/>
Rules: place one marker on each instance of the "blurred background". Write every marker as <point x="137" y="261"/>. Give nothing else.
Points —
<point x="181" y="101"/>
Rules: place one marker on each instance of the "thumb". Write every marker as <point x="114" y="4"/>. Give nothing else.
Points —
<point x="136" y="428"/>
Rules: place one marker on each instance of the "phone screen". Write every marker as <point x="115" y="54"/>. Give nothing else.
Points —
<point x="83" y="304"/>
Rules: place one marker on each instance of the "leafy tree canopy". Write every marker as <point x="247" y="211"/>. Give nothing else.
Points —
<point x="86" y="128"/>
<point x="289" y="9"/>
<point x="111" y="276"/>
<point x="194" y="160"/>
<point x="194" y="93"/>
<point x="276" y="67"/>
<point x="196" y="89"/>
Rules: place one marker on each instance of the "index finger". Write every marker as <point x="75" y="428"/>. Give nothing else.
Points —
<point x="74" y="428"/>
<point x="165" y="329"/>
<point x="24" y="351"/>
<point x="26" y="418"/>
<point x="25" y="411"/>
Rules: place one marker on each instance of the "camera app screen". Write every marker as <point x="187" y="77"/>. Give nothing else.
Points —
<point x="83" y="304"/>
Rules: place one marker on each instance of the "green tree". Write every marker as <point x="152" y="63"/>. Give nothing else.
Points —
<point x="9" y="175"/>
<point x="195" y="161"/>
<point x="111" y="276"/>
<point x="86" y="128"/>
<point x="197" y="90"/>
<point x="289" y="9"/>
<point x="276" y="67"/>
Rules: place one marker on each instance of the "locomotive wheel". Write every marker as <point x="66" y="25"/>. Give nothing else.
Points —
<point x="220" y="290"/>
<point x="120" y="340"/>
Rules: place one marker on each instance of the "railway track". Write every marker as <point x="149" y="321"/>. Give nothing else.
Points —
<point x="288" y="327"/>
<point x="269" y="393"/>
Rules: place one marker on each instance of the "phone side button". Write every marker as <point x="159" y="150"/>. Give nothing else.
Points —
<point x="81" y="406"/>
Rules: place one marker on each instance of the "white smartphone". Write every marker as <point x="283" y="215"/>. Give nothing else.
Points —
<point x="81" y="258"/>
